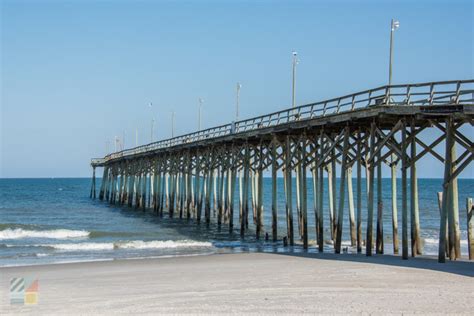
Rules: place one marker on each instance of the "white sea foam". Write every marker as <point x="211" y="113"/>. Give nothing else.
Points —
<point x="82" y="246"/>
<point x="136" y="244"/>
<point x="157" y="244"/>
<point x="436" y="241"/>
<point x="18" y="233"/>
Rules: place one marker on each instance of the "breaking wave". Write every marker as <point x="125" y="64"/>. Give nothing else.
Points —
<point x="136" y="244"/>
<point x="18" y="233"/>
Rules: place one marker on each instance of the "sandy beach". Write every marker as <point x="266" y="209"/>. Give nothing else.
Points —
<point x="249" y="283"/>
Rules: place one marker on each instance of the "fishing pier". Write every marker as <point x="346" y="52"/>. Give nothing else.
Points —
<point x="218" y="172"/>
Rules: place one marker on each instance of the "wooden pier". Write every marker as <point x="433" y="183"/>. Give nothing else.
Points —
<point x="218" y="172"/>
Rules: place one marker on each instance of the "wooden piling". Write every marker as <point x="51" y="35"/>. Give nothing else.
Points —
<point x="314" y="178"/>
<point x="414" y="210"/>
<point x="245" y="206"/>
<point x="379" y="248"/>
<point x="321" y="196"/>
<point x="370" y="202"/>
<point x="304" y="192"/>
<point x="274" y="191"/>
<point x="103" y="183"/>
<point x="404" y="192"/>
<point x="92" y="194"/>
<point x="331" y="198"/>
<point x="440" y="206"/>
<point x="221" y="195"/>
<point x="350" y="196"/>
<point x="393" y="169"/>
<point x="470" y="227"/>
<point x="232" y="196"/>
<point x="198" y="190"/>
<point x="359" y="193"/>
<point x="289" y="203"/>
<point x="342" y="191"/>
<point x="259" y="194"/>
<point x="333" y="212"/>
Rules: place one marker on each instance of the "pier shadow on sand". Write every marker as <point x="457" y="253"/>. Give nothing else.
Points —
<point x="460" y="267"/>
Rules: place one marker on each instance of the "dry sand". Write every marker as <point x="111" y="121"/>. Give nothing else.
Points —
<point x="249" y="283"/>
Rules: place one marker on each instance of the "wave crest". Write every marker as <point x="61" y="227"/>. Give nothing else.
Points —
<point x="18" y="233"/>
<point x="136" y="244"/>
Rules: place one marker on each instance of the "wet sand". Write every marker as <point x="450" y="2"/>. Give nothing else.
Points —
<point x="249" y="283"/>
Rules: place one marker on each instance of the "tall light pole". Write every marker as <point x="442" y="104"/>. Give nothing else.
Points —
<point x="152" y="123"/>
<point x="136" y="137"/>
<point x="393" y="26"/>
<point x="295" y="62"/>
<point x="172" y="124"/>
<point x="200" y="113"/>
<point x="123" y="139"/>
<point x="237" y="101"/>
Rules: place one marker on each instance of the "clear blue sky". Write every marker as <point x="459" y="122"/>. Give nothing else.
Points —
<point x="76" y="73"/>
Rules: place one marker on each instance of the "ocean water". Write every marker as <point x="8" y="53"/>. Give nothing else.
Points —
<point x="54" y="220"/>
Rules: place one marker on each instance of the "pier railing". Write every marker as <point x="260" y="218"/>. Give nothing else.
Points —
<point x="421" y="94"/>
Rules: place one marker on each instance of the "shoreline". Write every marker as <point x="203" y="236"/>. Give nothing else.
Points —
<point x="266" y="283"/>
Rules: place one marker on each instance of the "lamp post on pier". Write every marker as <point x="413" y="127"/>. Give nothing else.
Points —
<point x="152" y="123"/>
<point x="237" y="102"/>
<point x="395" y="24"/>
<point x="172" y="124"/>
<point x="295" y="62"/>
<point x="201" y="100"/>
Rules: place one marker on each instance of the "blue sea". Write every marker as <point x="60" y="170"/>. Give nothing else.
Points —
<point x="46" y="221"/>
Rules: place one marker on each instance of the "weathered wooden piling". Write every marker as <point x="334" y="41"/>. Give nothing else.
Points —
<point x="379" y="248"/>
<point x="342" y="190"/>
<point x="321" y="194"/>
<point x="289" y="195"/>
<point x="370" y="202"/>
<point x="404" y="192"/>
<point x="359" y="193"/>
<point x="92" y="194"/>
<point x="274" y="190"/>
<point x="414" y="210"/>
<point x="393" y="169"/>
<point x="470" y="227"/>
<point x="304" y="198"/>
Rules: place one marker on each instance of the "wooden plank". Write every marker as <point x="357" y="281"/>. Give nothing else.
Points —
<point x="414" y="210"/>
